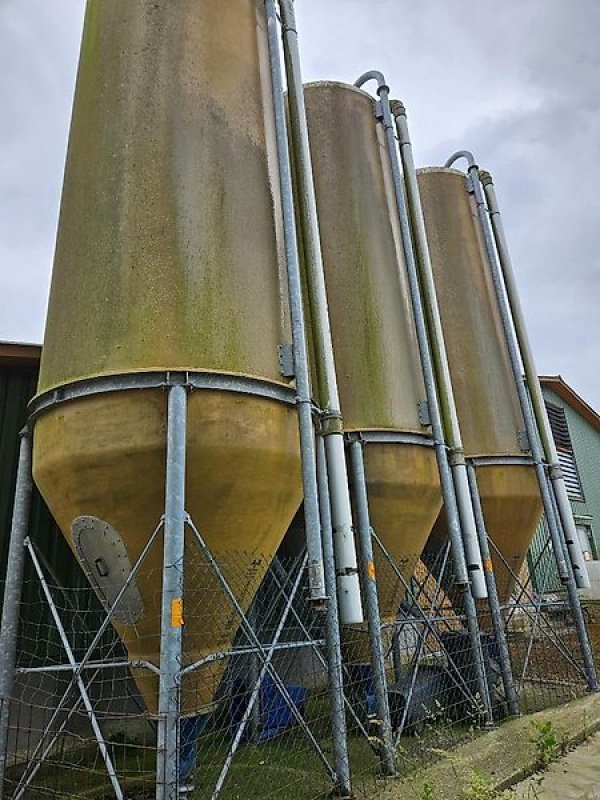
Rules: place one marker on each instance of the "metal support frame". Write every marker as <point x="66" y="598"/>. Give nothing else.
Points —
<point x="9" y="629"/>
<point x="257" y="683"/>
<point x="545" y="629"/>
<point x="493" y="599"/>
<point x="84" y="664"/>
<point x="42" y="750"/>
<point x="550" y="488"/>
<point x="79" y="680"/>
<point x="419" y="651"/>
<point x="264" y="654"/>
<point x="369" y="583"/>
<point x="438" y="388"/>
<point x="260" y="649"/>
<point x="431" y="629"/>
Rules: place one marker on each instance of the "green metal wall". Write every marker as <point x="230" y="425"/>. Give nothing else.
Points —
<point x="586" y="446"/>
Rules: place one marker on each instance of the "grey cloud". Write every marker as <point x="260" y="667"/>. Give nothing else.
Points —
<point x="518" y="82"/>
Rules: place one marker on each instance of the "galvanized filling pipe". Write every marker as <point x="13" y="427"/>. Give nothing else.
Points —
<point x="314" y="467"/>
<point x="530" y="427"/>
<point x="533" y="433"/>
<point x="348" y="586"/>
<point x="437" y="344"/>
<point x="454" y="520"/>
<point x="312" y="524"/>
<point x="13" y="587"/>
<point x="535" y="391"/>
<point x="423" y="256"/>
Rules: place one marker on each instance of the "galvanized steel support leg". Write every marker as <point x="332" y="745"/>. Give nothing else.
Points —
<point x="110" y="768"/>
<point x="480" y="671"/>
<point x="13" y="587"/>
<point x="438" y="387"/>
<point x="412" y="220"/>
<point x="171" y="627"/>
<point x="332" y="428"/>
<point x="371" y="599"/>
<point x="493" y="600"/>
<point x="339" y="733"/>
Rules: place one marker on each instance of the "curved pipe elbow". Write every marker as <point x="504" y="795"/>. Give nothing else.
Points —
<point x="372" y="75"/>
<point x="467" y="154"/>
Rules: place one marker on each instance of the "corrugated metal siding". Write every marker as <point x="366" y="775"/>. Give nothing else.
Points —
<point x="39" y="638"/>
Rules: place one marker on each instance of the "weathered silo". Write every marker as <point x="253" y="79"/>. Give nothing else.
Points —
<point x="167" y="260"/>
<point x="488" y="407"/>
<point x="375" y="346"/>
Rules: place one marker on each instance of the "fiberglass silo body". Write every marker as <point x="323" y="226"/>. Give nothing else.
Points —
<point x="486" y="397"/>
<point x="376" y="352"/>
<point x="167" y="260"/>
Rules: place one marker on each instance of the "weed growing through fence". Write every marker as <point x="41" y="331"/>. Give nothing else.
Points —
<point x="549" y="742"/>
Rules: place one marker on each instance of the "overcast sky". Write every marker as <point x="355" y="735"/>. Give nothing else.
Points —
<point x="517" y="82"/>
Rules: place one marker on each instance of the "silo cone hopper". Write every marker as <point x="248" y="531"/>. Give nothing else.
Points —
<point x="486" y="396"/>
<point x="375" y="346"/>
<point x="167" y="265"/>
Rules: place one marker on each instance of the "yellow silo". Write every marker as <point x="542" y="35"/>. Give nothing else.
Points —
<point x="167" y="260"/>
<point x="490" y="418"/>
<point x="376" y="352"/>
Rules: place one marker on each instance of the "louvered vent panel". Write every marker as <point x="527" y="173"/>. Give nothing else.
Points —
<point x="566" y="456"/>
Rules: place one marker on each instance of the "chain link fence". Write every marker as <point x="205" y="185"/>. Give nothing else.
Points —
<point x="256" y="715"/>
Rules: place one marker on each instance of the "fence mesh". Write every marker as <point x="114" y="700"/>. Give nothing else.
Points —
<point x="256" y="718"/>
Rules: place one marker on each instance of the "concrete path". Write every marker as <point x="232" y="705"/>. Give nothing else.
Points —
<point x="575" y="776"/>
<point x="507" y="754"/>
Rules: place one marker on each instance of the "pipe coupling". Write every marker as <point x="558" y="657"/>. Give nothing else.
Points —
<point x="398" y="109"/>
<point x="485" y="178"/>
<point x="456" y="457"/>
<point x="331" y="423"/>
<point x="555" y="472"/>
